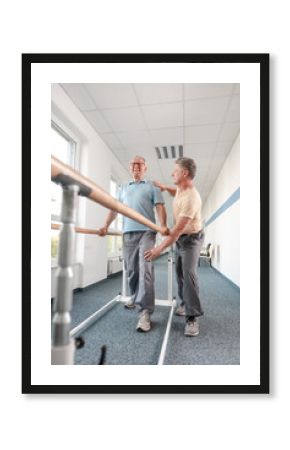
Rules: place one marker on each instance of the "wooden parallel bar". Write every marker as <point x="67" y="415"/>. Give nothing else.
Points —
<point x="66" y="175"/>
<point x="56" y="226"/>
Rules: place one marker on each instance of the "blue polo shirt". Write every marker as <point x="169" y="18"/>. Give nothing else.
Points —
<point x="141" y="196"/>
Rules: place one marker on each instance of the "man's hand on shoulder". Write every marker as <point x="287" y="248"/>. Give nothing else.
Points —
<point x="159" y="185"/>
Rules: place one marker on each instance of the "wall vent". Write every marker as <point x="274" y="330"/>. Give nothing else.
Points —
<point x="169" y="151"/>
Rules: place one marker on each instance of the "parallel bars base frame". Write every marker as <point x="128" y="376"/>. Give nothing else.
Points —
<point x="123" y="299"/>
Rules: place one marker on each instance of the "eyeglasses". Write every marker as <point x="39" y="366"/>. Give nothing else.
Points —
<point x="138" y="163"/>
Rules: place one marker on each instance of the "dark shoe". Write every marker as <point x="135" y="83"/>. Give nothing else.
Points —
<point x="144" y="323"/>
<point x="191" y="328"/>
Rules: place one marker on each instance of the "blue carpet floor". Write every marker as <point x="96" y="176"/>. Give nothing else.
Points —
<point x="218" y="342"/>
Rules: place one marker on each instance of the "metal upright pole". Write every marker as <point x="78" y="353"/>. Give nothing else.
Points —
<point x="166" y="336"/>
<point x="170" y="276"/>
<point x="63" y="345"/>
<point x="124" y="280"/>
<point x="172" y="304"/>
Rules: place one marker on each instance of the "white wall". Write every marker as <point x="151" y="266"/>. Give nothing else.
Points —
<point x="98" y="163"/>
<point x="224" y="231"/>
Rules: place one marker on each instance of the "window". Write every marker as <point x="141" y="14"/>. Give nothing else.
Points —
<point x="115" y="243"/>
<point x="63" y="148"/>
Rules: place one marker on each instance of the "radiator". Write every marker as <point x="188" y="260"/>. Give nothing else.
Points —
<point x="114" y="265"/>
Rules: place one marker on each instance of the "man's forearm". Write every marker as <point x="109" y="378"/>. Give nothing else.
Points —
<point x="170" y="189"/>
<point x="110" y="218"/>
<point x="168" y="241"/>
<point x="175" y="232"/>
<point x="162" y="216"/>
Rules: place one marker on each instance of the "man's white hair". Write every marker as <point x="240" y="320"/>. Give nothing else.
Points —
<point x="139" y="157"/>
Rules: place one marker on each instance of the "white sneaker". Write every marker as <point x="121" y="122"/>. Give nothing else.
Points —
<point x="144" y="323"/>
<point x="191" y="328"/>
<point x="130" y="304"/>
<point x="180" y="311"/>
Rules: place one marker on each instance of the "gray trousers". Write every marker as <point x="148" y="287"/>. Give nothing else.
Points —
<point x="140" y="272"/>
<point x="186" y="260"/>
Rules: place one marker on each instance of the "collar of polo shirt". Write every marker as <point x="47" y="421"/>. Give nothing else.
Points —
<point x="141" y="181"/>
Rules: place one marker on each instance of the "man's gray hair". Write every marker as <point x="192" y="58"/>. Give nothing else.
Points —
<point x="188" y="164"/>
<point x="140" y="157"/>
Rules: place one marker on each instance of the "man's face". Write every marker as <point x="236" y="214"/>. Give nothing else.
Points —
<point x="137" y="168"/>
<point x="178" y="174"/>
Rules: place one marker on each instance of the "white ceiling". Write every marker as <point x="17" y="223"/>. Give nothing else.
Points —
<point x="135" y="118"/>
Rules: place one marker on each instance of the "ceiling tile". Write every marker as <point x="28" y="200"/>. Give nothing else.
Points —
<point x="206" y="111"/>
<point x="218" y="162"/>
<point x="152" y="173"/>
<point x="223" y="148"/>
<point x="206" y="90"/>
<point x="97" y="121"/>
<point x="167" y="166"/>
<point x="202" y="165"/>
<point x="199" y="134"/>
<point x="203" y="150"/>
<point x="163" y="115"/>
<point x="167" y="136"/>
<point x="111" y="140"/>
<point x="128" y="119"/>
<point x="229" y="131"/>
<point x="233" y="113"/>
<point x="236" y="88"/>
<point x="146" y="149"/>
<point x="211" y="113"/>
<point x="123" y="157"/>
<point x="79" y="96"/>
<point x="141" y="137"/>
<point x="122" y="154"/>
<point x="112" y="95"/>
<point x="198" y="179"/>
<point x="152" y="93"/>
<point x="204" y="193"/>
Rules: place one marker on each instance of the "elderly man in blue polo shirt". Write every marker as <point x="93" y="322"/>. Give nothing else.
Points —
<point x="141" y="195"/>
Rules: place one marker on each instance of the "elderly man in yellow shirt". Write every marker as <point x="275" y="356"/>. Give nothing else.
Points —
<point x="189" y="236"/>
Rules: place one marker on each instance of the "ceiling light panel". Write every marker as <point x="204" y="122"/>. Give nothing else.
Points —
<point x="169" y="152"/>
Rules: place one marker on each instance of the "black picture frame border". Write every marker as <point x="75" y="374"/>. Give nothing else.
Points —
<point x="258" y="58"/>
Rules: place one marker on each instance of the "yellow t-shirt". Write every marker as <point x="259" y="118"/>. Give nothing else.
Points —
<point x="188" y="204"/>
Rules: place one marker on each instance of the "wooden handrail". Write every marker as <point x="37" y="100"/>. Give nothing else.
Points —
<point x="66" y="175"/>
<point x="56" y="226"/>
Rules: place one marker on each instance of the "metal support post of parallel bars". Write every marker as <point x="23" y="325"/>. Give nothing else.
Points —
<point x="63" y="346"/>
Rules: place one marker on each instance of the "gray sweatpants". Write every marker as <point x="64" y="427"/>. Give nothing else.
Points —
<point x="186" y="260"/>
<point x="140" y="272"/>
